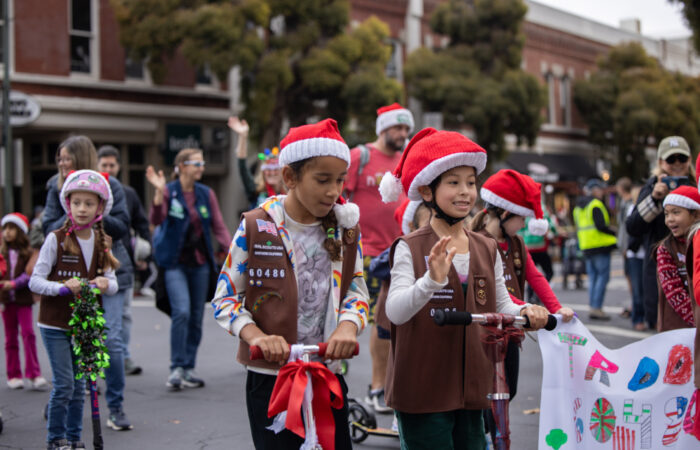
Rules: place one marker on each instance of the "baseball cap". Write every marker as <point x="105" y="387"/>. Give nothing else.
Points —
<point x="673" y="145"/>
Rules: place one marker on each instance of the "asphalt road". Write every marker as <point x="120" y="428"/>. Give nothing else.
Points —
<point x="214" y="417"/>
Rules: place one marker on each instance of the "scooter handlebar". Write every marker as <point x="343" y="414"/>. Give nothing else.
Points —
<point x="320" y="349"/>
<point x="442" y="317"/>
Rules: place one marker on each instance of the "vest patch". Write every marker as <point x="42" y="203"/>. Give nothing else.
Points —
<point x="443" y="295"/>
<point x="176" y="209"/>
<point x="265" y="226"/>
<point x="268" y="250"/>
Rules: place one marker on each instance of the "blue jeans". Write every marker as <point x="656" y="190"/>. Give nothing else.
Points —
<point x="598" y="270"/>
<point x="187" y="288"/>
<point x="113" y="306"/>
<point x="68" y="394"/>
<point x="127" y="321"/>
<point x="634" y="267"/>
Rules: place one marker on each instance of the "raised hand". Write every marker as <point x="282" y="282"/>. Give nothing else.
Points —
<point x="157" y="179"/>
<point x="440" y="259"/>
<point x="238" y="126"/>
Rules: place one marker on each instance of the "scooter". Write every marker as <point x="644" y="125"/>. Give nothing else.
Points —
<point x="363" y="423"/>
<point x="500" y="328"/>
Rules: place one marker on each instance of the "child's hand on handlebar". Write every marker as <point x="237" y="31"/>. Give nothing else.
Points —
<point x="273" y="347"/>
<point x="343" y="341"/>
<point x="74" y="285"/>
<point x="537" y="315"/>
<point x="100" y="283"/>
<point x="440" y="260"/>
<point x="566" y="313"/>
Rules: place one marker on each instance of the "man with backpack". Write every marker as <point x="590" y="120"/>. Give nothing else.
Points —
<point x="368" y="163"/>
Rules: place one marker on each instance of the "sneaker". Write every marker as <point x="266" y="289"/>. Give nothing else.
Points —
<point x="175" y="379"/>
<point x="191" y="380"/>
<point x="640" y="327"/>
<point x="118" y="421"/>
<point x="130" y="368"/>
<point x="375" y="397"/>
<point x="59" y="444"/>
<point x="78" y="445"/>
<point x="395" y="425"/>
<point x="38" y="383"/>
<point x="598" y="314"/>
<point x="15" y="383"/>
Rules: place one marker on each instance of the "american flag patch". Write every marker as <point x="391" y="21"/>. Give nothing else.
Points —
<point x="266" y="227"/>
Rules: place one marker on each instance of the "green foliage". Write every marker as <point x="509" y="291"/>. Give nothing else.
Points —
<point x="691" y="12"/>
<point x="87" y="329"/>
<point x="297" y="59"/>
<point x="477" y="80"/>
<point x="632" y="102"/>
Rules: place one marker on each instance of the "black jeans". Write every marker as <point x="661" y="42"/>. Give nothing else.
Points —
<point x="258" y="392"/>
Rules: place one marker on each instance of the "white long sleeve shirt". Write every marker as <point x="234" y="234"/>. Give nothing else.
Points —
<point x="407" y="295"/>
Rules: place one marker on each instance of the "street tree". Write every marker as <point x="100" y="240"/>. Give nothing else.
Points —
<point x="297" y="60"/>
<point x="476" y="80"/>
<point x="631" y="102"/>
<point x="691" y="12"/>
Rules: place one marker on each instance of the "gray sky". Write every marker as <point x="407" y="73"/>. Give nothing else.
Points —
<point x="659" y="18"/>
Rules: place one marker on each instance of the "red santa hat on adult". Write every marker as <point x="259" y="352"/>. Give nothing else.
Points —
<point x="394" y="114"/>
<point x="18" y="219"/>
<point x="430" y="154"/>
<point x="320" y="139"/>
<point x="518" y="194"/>
<point x="686" y="197"/>
<point x="405" y="213"/>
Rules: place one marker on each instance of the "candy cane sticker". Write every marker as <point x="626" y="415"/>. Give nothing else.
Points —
<point x="643" y="419"/>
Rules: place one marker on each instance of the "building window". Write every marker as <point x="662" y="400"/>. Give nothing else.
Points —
<point x="394" y="68"/>
<point x="134" y="69"/>
<point x="82" y="33"/>
<point x="204" y="75"/>
<point x="565" y="100"/>
<point x="551" y="114"/>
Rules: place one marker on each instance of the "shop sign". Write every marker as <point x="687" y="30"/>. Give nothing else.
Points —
<point x="23" y="109"/>
<point x="179" y="136"/>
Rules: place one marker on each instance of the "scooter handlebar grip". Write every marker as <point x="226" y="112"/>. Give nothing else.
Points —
<point x="256" y="353"/>
<point x="551" y="323"/>
<point x="443" y="317"/>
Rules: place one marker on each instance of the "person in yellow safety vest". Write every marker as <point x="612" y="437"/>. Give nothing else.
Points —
<point x="597" y="240"/>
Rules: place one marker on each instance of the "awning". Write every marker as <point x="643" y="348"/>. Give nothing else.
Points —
<point x="550" y="167"/>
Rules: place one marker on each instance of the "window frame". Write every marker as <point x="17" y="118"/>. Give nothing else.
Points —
<point x="93" y="36"/>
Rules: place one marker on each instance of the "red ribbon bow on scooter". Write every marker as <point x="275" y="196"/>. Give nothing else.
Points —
<point x="288" y="395"/>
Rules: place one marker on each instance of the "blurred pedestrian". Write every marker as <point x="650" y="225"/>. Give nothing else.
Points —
<point x="538" y="249"/>
<point x="647" y="220"/>
<point x="623" y="187"/>
<point x="78" y="153"/>
<point x="268" y="178"/>
<point x="109" y="161"/>
<point x="597" y="240"/>
<point x="189" y="219"/>
<point x="369" y="162"/>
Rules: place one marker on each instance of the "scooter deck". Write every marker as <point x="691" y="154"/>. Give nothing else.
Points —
<point x="386" y="432"/>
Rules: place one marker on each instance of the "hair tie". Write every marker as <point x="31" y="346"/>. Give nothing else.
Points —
<point x="106" y="250"/>
<point x="330" y="233"/>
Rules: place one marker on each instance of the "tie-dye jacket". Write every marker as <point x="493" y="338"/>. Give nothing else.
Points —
<point x="229" y="299"/>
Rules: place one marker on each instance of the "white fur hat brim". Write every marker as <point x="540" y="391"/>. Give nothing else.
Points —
<point x="11" y="218"/>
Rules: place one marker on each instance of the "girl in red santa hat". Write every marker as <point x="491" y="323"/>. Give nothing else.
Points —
<point x="692" y="421"/>
<point x="510" y="197"/>
<point x="16" y="302"/>
<point x="442" y="266"/>
<point x="294" y="275"/>
<point x="681" y="211"/>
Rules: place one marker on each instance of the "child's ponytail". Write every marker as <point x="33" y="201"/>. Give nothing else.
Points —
<point x="103" y="245"/>
<point x="479" y="221"/>
<point x="331" y="244"/>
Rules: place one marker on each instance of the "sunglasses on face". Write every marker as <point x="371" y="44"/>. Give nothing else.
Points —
<point x="677" y="157"/>
<point x="202" y="163"/>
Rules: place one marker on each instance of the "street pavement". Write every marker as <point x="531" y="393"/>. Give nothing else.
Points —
<point x="215" y="417"/>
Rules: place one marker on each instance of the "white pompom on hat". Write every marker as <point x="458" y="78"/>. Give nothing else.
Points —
<point x="518" y="194"/>
<point x="309" y="141"/>
<point x="686" y="197"/>
<point x="18" y="219"/>
<point x="394" y="114"/>
<point x="346" y="213"/>
<point x="430" y="154"/>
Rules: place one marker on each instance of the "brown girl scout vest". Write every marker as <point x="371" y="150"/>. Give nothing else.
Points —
<point x="56" y="311"/>
<point x="271" y="290"/>
<point x="22" y="296"/>
<point x="433" y="368"/>
<point x="696" y="311"/>
<point x="668" y="318"/>
<point x="513" y="264"/>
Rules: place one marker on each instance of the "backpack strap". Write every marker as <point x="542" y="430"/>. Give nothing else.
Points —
<point x="350" y="240"/>
<point x="364" y="159"/>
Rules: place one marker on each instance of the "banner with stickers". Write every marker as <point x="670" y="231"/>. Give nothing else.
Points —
<point x="634" y="397"/>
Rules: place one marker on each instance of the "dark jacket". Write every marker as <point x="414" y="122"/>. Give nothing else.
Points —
<point x="139" y="221"/>
<point x="116" y="225"/>
<point x="647" y="222"/>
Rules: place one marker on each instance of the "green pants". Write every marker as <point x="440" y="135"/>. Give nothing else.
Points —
<point x="452" y="430"/>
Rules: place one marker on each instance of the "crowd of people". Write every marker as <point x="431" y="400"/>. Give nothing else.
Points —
<point x="335" y="241"/>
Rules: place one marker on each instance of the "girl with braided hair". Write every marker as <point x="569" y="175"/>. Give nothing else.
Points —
<point x="78" y="250"/>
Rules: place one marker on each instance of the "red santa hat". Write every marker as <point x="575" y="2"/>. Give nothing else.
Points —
<point x="405" y="213"/>
<point x="18" y="219"/>
<point x="394" y="114"/>
<point x="430" y="154"/>
<point x="518" y="194"/>
<point x="686" y="197"/>
<point x="309" y="141"/>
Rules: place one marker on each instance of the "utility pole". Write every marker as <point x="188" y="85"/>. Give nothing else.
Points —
<point x="6" y="128"/>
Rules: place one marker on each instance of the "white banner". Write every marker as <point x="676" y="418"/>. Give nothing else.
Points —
<point x="635" y="397"/>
